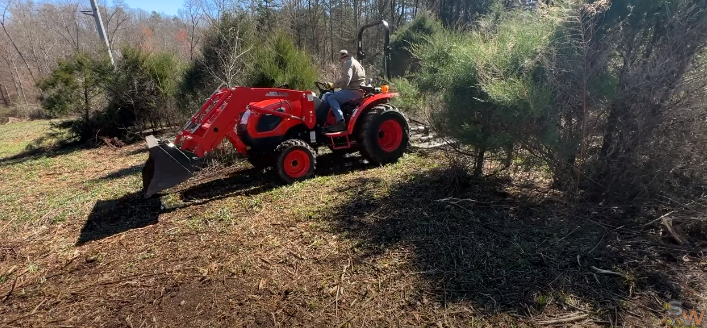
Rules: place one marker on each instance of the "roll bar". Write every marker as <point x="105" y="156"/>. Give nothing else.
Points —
<point x="386" y="47"/>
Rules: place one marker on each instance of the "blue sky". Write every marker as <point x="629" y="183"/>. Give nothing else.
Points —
<point x="168" y="7"/>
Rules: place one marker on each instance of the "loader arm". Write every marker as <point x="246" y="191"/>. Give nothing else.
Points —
<point x="219" y="115"/>
<point x="170" y="164"/>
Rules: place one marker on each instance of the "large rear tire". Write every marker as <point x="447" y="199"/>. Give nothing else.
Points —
<point x="295" y="161"/>
<point x="384" y="135"/>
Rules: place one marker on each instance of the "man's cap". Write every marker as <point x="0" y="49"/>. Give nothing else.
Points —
<point x="343" y="54"/>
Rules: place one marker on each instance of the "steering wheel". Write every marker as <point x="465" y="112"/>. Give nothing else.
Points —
<point x="322" y="87"/>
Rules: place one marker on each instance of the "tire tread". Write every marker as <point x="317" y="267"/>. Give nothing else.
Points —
<point x="368" y="147"/>
<point x="284" y="147"/>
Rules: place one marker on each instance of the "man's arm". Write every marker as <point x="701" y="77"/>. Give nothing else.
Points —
<point x="346" y="77"/>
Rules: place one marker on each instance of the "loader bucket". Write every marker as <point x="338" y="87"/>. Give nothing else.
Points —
<point x="166" y="167"/>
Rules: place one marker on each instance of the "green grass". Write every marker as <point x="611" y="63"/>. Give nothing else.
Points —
<point x="43" y="182"/>
<point x="14" y="138"/>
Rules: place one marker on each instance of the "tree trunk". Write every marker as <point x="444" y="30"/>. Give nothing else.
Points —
<point x="355" y="12"/>
<point x="607" y="154"/>
<point x="509" y="156"/>
<point x="87" y="108"/>
<point x="479" y="166"/>
<point x="18" y="83"/>
<point x="331" y="30"/>
<point x="19" y="52"/>
<point x="402" y="13"/>
<point x="611" y="125"/>
<point x="392" y="11"/>
<point x="14" y="81"/>
<point x="5" y="99"/>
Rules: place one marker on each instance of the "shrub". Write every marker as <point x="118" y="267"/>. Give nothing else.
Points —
<point x="76" y="87"/>
<point x="600" y="92"/>
<point x="416" y="32"/>
<point x="225" y="54"/>
<point x="234" y="54"/>
<point x="484" y="85"/>
<point x="141" y="93"/>
<point x="279" y="62"/>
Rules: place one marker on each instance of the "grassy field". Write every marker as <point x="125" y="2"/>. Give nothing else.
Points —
<point x="418" y="243"/>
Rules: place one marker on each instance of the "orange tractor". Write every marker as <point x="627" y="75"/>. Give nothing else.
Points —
<point x="280" y="128"/>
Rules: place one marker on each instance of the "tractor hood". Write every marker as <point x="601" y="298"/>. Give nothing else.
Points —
<point x="277" y="105"/>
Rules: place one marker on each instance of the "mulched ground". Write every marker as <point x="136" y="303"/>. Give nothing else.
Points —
<point x="415" y="244"/>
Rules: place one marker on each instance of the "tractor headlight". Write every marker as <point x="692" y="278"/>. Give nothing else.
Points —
<point x="244" y="118"/>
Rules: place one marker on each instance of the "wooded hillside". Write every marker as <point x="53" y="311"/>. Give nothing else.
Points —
<point x="36" y="34"/>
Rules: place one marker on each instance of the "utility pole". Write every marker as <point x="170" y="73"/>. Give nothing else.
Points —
<point x="99" y="26"/>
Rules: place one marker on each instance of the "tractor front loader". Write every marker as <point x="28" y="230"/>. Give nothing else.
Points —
<point x="280" y="128"/>
<point x="171" y="163"/>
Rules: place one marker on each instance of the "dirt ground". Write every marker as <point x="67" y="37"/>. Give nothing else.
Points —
<point x="415" y="244"/>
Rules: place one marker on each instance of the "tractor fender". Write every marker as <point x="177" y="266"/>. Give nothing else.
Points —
<point x="366" y="105"/>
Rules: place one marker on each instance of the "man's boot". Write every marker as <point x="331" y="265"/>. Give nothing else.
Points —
<point x="337" y="127"/>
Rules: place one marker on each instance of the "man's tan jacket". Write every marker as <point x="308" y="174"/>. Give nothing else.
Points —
<point x="353" y="75"/>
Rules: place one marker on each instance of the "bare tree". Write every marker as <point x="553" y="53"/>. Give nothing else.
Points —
<point x="192" y="16"/>
<point x="230" y="57"/>
<point x="14" y="74"/>
<point x="3" y="23"/>
<point x="117" y="22"/>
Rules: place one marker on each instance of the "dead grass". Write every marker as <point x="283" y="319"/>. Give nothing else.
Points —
<point x="357" y="246"/>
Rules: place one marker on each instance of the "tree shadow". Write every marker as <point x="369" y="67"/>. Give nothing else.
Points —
<point x="517" y="253"/>
<point x="33" y="152"/>
<point x="136" y="151"/>
<point x="51" y="144"/>
<point x="67" y="145"/>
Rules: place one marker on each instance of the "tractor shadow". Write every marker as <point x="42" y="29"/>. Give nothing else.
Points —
<point x="128" y="171"/>
<point x="252" y="181"/>
<point x="521" y="253"/>
<point x="111" y="217"/>
<point x="132" y="211"/>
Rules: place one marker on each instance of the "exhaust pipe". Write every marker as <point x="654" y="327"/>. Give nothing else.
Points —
<point x="166" y="167"/>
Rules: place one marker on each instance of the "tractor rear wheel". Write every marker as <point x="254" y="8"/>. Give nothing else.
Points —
<point x="384" y="135"/>
<point x="295" y="160"/>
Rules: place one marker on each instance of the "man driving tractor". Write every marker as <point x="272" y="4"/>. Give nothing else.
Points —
<point x="352" y="78"/>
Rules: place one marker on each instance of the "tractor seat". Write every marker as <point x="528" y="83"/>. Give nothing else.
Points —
<point x="368" y="89"/>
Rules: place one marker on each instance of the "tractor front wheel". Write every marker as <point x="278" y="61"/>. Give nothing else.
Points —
<point x="384" y="135"/>
<point x="295" y="161"/>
